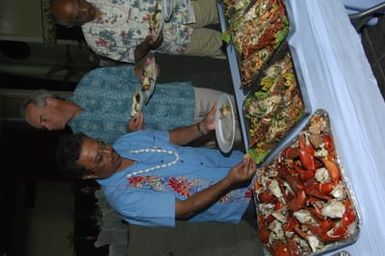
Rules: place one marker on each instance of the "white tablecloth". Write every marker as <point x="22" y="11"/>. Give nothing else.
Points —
<point x="339" y="79"/>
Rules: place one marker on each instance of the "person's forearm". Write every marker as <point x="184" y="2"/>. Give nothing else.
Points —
<point x="184" y="135"/>
<point x="141" y="50"/>
<point x="203" y="199"/>
<point x="138" y="71"/>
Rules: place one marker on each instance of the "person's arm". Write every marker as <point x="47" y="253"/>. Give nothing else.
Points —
<point x="136" y="123"/>
<point x="140" y="66"/>
<point x="148" y="44"/>
<point x="184" y="135"/>
<point x="138" y="71"/>
<point x="239" y="174"/>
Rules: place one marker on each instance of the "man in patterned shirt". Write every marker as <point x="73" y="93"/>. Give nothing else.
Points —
<point x="124" y="30"/>
<point x="101" y="105"/>
<point x="150" y="180"/>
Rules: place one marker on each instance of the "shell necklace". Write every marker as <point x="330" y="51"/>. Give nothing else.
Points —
<point x="154" y="150"/>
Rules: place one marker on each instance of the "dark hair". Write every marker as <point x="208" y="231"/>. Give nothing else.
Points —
<point x="38" y="98"/>
<point x="67" y="154"/>
<point x="56" y="6"/>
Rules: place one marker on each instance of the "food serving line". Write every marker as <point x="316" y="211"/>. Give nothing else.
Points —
<point x="338" y="79"/>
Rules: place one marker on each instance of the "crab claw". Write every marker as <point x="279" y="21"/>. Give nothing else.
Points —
<point x="327" y="140"/>
<point x="298" y="202"/>
<point x="290" y="153"/>
<point x="318" y="190"/>
<point x="333" y="169"/>
<point x="306" y="153"/>
<point x="280" y="248"/>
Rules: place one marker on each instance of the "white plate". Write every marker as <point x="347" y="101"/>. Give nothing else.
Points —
<point x="160" y="20"/>
<point x="138" y="99"/>
<point x="225" y="124"/>
<point x="160" y="29"/>
<point x="168" y="8"/>
<point x="152" y="77"/>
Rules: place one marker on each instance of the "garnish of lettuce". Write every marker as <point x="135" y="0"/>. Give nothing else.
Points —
<point x="290" y="78"/>
<point x="281" y="34"/>
<point x="226" y="37"/>
<point x="267" y="82"/>
<point x="257" y="154"/>
<point x="259" y="95"/>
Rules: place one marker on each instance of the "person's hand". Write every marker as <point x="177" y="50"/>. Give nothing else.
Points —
<point x="157" y="69"/>
<point x="139" y="71"/>
<point x="136" y="123"/>
<point x="242" y="172"/>
<point x="208" y="123"/>
<point x="155" y="43"/>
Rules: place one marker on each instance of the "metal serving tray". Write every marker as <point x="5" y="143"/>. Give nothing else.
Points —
<point x="354" y="231"/>
<point x="282" y="51"/>
<point x="235" y="58"/>
<point x="240" y="93"/>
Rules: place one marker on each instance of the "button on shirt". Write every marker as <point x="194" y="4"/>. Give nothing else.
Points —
<point x="124" y="24"/>
<point x="149" y="199"/>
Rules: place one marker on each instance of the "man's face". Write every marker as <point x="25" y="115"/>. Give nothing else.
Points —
<point x="74" y="11"/>
<point x="100" y="159"/>
<point x="49" y="117"/>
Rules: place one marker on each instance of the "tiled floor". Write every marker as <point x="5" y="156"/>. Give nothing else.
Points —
<point x="373" y="38"/>
<point x="195" y="239"/>
<point x="203" y="72"/>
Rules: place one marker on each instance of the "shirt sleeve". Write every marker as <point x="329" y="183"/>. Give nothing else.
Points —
<point x="109" y="43"/>
<point x="123" y="54"/>
<point x="143" y="207"/>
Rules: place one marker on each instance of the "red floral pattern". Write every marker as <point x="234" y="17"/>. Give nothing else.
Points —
<point x="183" y="186"/>
<point x="180" y="186"/>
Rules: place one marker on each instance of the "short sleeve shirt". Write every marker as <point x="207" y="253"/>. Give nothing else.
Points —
<point x="149" y="198"/>
<point x="105" y="95"/>
<point x="124" y="24"/>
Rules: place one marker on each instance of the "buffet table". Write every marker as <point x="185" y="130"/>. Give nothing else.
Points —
<point x="338" y="79"/>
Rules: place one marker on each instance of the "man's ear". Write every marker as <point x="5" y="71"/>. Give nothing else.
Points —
<point x="90" y="175"/>
<point x="51" y="101"/>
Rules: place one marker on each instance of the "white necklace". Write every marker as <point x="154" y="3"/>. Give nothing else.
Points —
<point x="154" y="150"/>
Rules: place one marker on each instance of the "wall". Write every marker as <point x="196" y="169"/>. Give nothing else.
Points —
<point x="50" y="223"/>
<point x="21" y="20"/>
<point x="47" y="61"/>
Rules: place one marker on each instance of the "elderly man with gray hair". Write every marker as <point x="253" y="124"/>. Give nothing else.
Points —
<point x="101" y="104"/>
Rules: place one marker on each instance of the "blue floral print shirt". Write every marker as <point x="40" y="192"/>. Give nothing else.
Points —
<point x="124" y="24"/>
<point x="149" y="198"/>
<point x="105" y="94"/>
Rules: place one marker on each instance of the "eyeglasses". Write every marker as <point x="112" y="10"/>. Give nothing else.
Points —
<point x="102" y="150"/>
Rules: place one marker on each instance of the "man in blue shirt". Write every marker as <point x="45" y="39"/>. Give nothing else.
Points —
<point x="150" y="180"/>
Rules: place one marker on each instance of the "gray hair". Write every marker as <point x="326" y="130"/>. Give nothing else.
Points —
<point x="38" y="98"/>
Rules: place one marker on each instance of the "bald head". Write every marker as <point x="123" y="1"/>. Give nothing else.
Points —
<point x="73" y="12"/>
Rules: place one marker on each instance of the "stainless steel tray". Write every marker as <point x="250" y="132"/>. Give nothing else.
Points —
<point x="234" y="57"/>
<point x="279" y="55"/>
<point x="354" y="230"/>
<point x="240" y="93"/>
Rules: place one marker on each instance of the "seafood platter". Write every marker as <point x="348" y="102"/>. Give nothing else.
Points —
<point x="304" y="203"/>
<point x="253" y="30"/>
<point x="275" y="109"/>
<point x="256" y="33"/>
